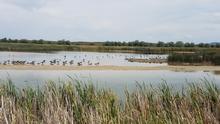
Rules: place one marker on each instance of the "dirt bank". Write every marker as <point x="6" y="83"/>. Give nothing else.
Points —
<point x="49" y="67"/>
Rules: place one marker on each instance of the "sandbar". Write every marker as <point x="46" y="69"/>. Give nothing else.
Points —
<point x="56" y="67"/>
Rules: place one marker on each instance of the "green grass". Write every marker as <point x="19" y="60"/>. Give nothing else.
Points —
<point x="31" y="47"/>
<point x="194" y="58"/>
<point x="75" y="102"/>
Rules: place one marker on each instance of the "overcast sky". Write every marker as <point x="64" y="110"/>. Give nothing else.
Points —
<point x="101" y="20"/>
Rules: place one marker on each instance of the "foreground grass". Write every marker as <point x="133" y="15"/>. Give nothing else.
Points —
<point x="74" y="102"/>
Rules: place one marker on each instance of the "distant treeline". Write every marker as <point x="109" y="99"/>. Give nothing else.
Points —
<point x="115" y="43"/>
<point x="204" y="58"/>
<point x="162" y="44"/>
<point x="41" y="41"/>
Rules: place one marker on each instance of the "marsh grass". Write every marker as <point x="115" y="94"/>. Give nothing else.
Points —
<point x="76" y="102"/>
<point x="31" y="47"/>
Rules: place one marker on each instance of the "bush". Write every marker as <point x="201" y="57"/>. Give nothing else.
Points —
<point x="216" y="59"/>
<point x="185" y="58"/>
<point x="205" y="57"/>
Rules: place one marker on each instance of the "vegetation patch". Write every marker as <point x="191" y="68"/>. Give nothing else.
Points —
<point x="198" y="58"/>
<point x="75" y="102"/>
<point x="108" y="46"/>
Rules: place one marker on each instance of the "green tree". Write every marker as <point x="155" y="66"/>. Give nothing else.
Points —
<point x="160" y="44"/>
<point x="179" y="44"/>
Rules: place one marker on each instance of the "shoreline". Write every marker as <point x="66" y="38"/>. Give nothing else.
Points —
<point x="125" y="68"/>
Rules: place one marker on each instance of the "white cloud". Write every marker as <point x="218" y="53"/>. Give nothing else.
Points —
<point x="192" y="20"/>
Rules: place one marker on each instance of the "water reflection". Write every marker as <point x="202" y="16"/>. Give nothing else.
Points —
<point x="216" y="72"/>
<point x="116" y="80"/>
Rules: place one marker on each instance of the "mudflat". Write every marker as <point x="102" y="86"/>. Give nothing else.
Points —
<point x="54" y="67"/>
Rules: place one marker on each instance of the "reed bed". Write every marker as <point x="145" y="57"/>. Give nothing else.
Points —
<point x="31" y="47"/>
<point x="78" y="103"/>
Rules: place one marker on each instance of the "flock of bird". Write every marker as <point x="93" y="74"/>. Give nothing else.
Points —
<point x="149" y="60"/>
<point x="52" y="62"/>
<point x="80" y="60"/>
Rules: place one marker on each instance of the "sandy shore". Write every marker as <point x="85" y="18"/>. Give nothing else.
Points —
<point x="48" y="67"/>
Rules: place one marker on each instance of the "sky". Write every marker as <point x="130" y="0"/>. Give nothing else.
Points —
<point x="118" y="20"/>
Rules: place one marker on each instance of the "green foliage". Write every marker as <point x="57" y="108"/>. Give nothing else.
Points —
<point x="76" y="102"/>
<point x="202" y="57"/>
<point x="179" y="44"/>
<point x="109" y="46"/>
<point x="185" y="58"/>
<point x="115" y="43"/>
<point x="216" y="59"/>
<point x="160" y="44"/>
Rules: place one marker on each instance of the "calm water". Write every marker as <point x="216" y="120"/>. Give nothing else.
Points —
<point x="116" y="80"/>
<point x="115" y="59"/>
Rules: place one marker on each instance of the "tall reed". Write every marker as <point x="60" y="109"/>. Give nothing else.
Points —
<point x="76" y="102"/>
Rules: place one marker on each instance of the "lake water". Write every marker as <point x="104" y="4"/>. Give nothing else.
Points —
<point x="114" y="59"/>
<point x="116" y="80"/>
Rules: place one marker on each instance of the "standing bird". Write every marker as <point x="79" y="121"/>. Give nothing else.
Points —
<point x="97" y="63"/>
<point x="42" y="63"/>
<point x="71" y="62"/>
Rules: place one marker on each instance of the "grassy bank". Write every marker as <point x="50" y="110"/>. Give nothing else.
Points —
<point x="31" y="47"/>
<point x="198" y="58"/>
<point x="74" y="102"/>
